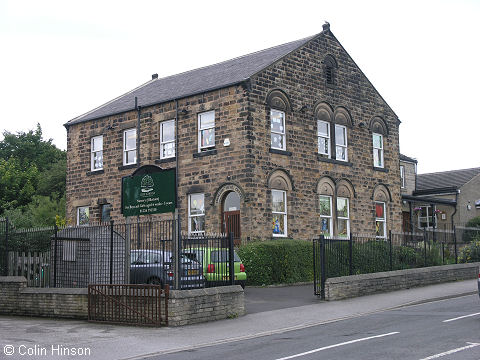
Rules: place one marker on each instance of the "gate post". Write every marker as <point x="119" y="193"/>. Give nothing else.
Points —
<point x="350" y="255"/>
<point x="231" y="259"/>
<point x="6" y="247"/>
<point x="391" y="249"/>
<point x="55" y="257"/>
<point x="111" y="252"/>
<point x="455" y="243"/>
<point x="425" y="247"/>
<point x="176" y="251"/>
<point x="323" y="267"/>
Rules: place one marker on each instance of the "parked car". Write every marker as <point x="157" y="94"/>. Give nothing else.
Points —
<point x="155" y="267"/>
<point x="215" y="265"/>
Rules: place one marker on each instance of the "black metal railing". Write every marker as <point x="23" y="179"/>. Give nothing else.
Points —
<point x="111" y="253"/>
<point x="362" y="254"/>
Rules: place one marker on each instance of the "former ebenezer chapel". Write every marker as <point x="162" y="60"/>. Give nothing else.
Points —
<point x="291" y="141"/>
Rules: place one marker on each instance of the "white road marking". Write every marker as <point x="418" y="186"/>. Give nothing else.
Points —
<point x="461" y="317"/>
<point x="472" y="345"/>
<point x="337" y="345"/>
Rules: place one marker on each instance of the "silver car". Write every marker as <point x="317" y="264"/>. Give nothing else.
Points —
<point x="155" y="267"/>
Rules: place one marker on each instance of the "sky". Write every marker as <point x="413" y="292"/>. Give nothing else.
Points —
<point x="60" y="59"/>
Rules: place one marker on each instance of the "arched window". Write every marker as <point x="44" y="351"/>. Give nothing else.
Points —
<point x="279" y="105"/>
<point x="330" y="70"/>
<point x="279" y="182"/>
<point x="381" y="197"/>
<point x="379" y="132"/>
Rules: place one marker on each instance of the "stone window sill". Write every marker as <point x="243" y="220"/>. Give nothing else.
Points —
<point x="163" y="161"/>
<point x="280" y="152"/>
<point x="205" y="153"/>
<point x="126" y="167"/>
<point x="97" y="172"/>
<point x="380" y="169"/>
<point x="334" y="161"/>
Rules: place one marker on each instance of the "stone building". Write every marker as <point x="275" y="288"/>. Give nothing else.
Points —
<point x="290" y="141"/>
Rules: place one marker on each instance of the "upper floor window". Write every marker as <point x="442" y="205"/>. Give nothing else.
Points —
<point x="378" y="150"/>
<point x="206" y="131"/>
<point x="326" y="220"/>
<point x="196" y="214"/>
<point x="97" y="153"/>
<point x="277" y="119"/>
<point x="380" y="220"/>
<point x="402" y="176"/>
<point x="130" y="147"/>
<point x="83" y="215"/>
<point x="279" y="212"/>
<point x="341" y="143"/>
<point x="343" y="217"/>
<point x="167" y="139"/>
<point x="323" y="133"/>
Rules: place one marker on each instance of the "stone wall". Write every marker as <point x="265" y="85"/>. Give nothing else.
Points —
<point x="246" y="162"/>
<point x="358" y="285"/>
<point x="201" y="305"/>
<point x="184" y="307"/>
<point x="17" y="299"/>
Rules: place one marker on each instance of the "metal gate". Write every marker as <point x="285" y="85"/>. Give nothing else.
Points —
<point x="128" y="304"/>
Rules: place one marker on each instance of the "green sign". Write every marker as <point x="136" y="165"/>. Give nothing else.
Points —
<point x="149" y="193"/>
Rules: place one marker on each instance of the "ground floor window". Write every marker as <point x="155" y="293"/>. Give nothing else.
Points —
<point x="279" y="213"/>
<point x="83" y="215"/>
<point x="380" y="220"/>
<point x="106" y="209"/>
<point x="343" y="217"/>
<point x="426" y="216"/>
<point x="196" y="214"/>
<point x="326" y="227"/>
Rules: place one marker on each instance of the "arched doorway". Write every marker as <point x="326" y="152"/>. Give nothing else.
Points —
<point x="231" y="215"/>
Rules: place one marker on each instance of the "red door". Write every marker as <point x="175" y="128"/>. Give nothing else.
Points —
<point x="231" y="224"/>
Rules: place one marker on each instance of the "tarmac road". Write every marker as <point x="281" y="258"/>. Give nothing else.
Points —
<point x="21" y="334"/>
<point x="449" y="329"/>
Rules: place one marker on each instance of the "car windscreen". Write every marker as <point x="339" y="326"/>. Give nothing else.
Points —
<point x="222" y="256"/>
<point x="142" y="258"/>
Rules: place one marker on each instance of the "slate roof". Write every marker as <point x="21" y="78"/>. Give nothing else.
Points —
<point x="445" y="179"/>
<point x="193" y="82"/>
<point x="406" y="158"/>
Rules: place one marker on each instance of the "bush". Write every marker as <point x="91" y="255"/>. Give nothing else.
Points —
<point x="469" y="235"/>
<point x="470" y="252"/>
<point x="277" y="261"/>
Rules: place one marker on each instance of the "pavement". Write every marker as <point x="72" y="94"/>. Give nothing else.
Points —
<point x="123" y="342"/>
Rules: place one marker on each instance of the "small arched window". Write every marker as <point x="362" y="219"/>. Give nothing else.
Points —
<point x="330" y="69"/>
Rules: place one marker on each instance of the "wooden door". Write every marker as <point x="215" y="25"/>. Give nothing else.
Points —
<point x="231" y="223"/>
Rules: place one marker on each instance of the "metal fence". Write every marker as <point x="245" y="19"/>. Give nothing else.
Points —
<point x="362" y="254"/>
<point x="127" y="253"/>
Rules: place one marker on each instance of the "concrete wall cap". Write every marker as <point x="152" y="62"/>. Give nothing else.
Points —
<point x="60" y="291"/>
<point x="13" y="279"/>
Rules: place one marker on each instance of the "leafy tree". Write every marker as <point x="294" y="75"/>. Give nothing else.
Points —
<point x="30" y="149"/>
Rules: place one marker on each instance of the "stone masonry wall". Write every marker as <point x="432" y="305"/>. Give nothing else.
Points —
<point x="300" y="77"/>
<point x="242" y="116"/>
<point x="359" y="285"/>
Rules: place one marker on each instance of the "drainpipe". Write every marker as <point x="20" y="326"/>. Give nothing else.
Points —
<point x="139" y="109"/>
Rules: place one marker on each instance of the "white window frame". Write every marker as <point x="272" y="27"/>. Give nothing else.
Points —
<point x="78" y="215"/>
<point x="379" y="149"/>
<point x="201" y="129"/>
<point x="324" y="136"/>
<point x="281" y="132"/>
<point x="328" y="217"/>
<point x="344" y="217"/>
<point x="163" y="143"/>
<point x="94" y="153"/>
<point x="383" y="220"/>
<point x="337" y="145"/>
<point x="282" y="213"/>
<point x="127" y="150"/>
<point x="190" y="215"/>
<point x="430" y="219"/>
<point x="402" y="176"/>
